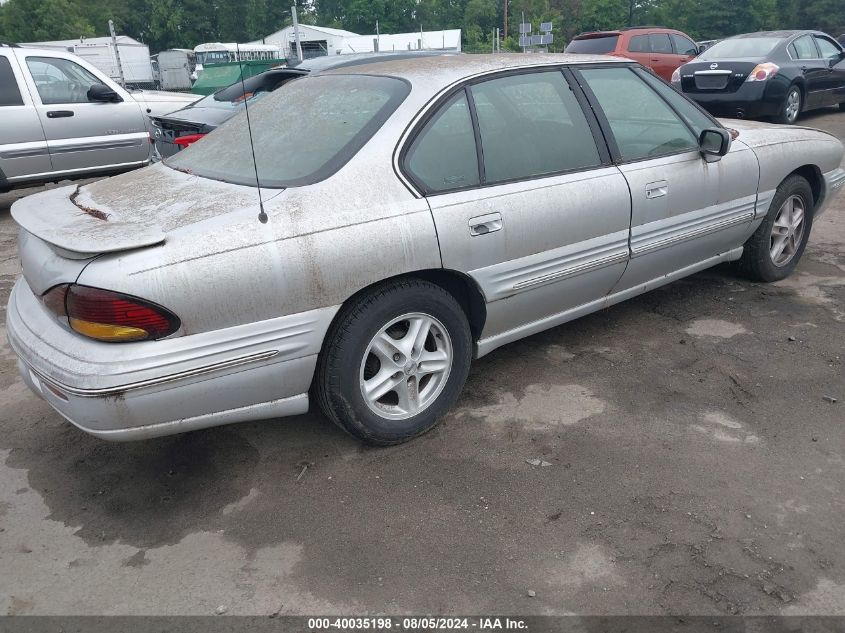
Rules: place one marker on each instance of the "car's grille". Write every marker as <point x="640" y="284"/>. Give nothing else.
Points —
<point x="712" y="82"/>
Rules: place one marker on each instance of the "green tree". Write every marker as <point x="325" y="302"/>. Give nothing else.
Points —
<point x="43" y="20"/>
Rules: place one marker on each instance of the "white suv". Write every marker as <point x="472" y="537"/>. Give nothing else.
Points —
<point x="62" y="118"/>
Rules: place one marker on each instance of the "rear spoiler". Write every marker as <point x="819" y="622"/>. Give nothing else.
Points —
<point x="54" y="217"/>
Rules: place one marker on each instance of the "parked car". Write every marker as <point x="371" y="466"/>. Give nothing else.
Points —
<point x="392" y="249"/>
<point x="660" y="49"/>
<point x="179" y="129"/>
<point x="703" y="45"/>
<point x="776" y="74"/>
<point x="62" y="118"/>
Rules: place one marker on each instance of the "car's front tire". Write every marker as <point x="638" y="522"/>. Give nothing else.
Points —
<point x="394" y="361"/>
<point x="791" y="106"/>
<point x="773" y="251"/>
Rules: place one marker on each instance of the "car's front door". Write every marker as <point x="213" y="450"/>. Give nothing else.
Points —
<point x="685" y="210"/>
<point x="524" y="200"/>
<point x="663" y="58"/>
<point x="833" y="56"/>
<point x="23" y="150"/>
<point x="82" y="134"/>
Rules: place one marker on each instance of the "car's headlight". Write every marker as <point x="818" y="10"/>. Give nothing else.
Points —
<point x="763" y="72"/>
<point x="676" y="76"/>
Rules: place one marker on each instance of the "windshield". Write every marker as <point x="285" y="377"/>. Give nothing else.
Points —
<point x="741" y="47"/>
<point x="594" y="45"/>
<point x="303" y="132"/>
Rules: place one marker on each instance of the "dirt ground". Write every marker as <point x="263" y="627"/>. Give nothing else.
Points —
<point x="695" y="468"/>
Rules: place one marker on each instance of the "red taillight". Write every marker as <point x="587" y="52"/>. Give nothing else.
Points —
<point x="110" y="316"/>
<point x="186" y="140"/>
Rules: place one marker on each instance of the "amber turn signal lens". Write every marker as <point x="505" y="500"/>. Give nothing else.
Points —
<point x="106" y="332"/>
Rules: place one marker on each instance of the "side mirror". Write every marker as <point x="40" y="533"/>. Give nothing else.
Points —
<point x="103" y="94"/>
<point x="714" y="143"/>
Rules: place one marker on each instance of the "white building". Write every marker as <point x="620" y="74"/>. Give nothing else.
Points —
<point x="315" y="40"/>
<point x="321" y="40"/>
<point x="426" y="40"/>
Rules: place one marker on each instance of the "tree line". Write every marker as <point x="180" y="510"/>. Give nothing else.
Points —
<point x="166" y="24"/>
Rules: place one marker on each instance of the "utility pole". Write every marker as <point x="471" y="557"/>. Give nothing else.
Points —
<point x="116" y="54"/>
<point x="505" y="34"/>
<point x="296" y="33"/>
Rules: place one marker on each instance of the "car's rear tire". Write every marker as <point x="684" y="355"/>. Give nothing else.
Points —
<point x="773" y="251"/>
<point x="394" y="362"/>
<point x="791" y="106"/>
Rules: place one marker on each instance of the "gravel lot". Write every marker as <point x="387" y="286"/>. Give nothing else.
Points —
<point x="695" y="467"/>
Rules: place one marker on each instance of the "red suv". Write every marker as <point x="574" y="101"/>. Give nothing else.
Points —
<point x="662" y="50"/>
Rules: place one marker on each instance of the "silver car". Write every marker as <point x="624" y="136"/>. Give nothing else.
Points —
<point x="400" y="219"/>
<point x="60" y="117"/>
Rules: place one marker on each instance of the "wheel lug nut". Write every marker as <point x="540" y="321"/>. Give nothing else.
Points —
<point x="396" y="357"/>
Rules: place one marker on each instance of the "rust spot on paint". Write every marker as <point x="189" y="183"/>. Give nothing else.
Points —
<point x="95" y="213"/>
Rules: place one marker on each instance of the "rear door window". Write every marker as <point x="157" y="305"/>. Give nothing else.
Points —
<point x="643" y="125"/>
<point x="660" y="43"/>
<point x="593" y="45"/>
<point x="684" y="46"/>
<point x="531" y="125"/>
<point x="10" y="94"/>
<point x="639" y="44"/>
<point x="443" y="156"/>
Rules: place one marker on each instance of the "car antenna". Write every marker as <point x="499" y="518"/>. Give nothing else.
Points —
<point x="262" y="215"/>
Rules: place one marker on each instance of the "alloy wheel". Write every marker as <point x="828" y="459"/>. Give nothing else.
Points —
<point x="793" y="105"/>
<point x="787" y="231"/>
<point x="406" y="366"/>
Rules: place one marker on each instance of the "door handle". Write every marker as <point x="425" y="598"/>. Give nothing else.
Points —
<point x="59" y="114"/>
<point x="484" y="224"/>
<point x="656" y="189"/>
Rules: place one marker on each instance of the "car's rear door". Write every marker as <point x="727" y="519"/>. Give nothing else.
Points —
<point x="23" y="150"/>
<point x="80" y="134"/>
<point x="524" y="199"/>
<point x="814" y="70"/>
<point x="685" y="211"/>
<point x="639" y="49"/>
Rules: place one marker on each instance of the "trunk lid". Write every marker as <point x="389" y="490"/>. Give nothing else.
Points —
<point x="64" y="228"/>
<point x="716" y="76"/>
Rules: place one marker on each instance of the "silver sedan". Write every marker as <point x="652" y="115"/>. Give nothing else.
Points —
<point x="389" y="223"/>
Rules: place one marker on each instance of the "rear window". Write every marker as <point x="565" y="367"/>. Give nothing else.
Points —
<point x="741" y="47"/>
<point x="9" y="93"/>
<point x="302" y="133"/>
<point x="594" y="45"/>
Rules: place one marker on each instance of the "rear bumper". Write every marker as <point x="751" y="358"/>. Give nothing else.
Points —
<point x="751" y="100"/>
<point x="142" y="390"/>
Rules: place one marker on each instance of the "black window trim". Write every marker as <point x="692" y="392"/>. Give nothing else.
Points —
<point x="438" y="102"/>
<point x="605" y="124"/>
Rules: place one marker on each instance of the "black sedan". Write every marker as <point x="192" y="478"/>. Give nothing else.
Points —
<point x="183" y="127"/>
<point x="776" y="74"/>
